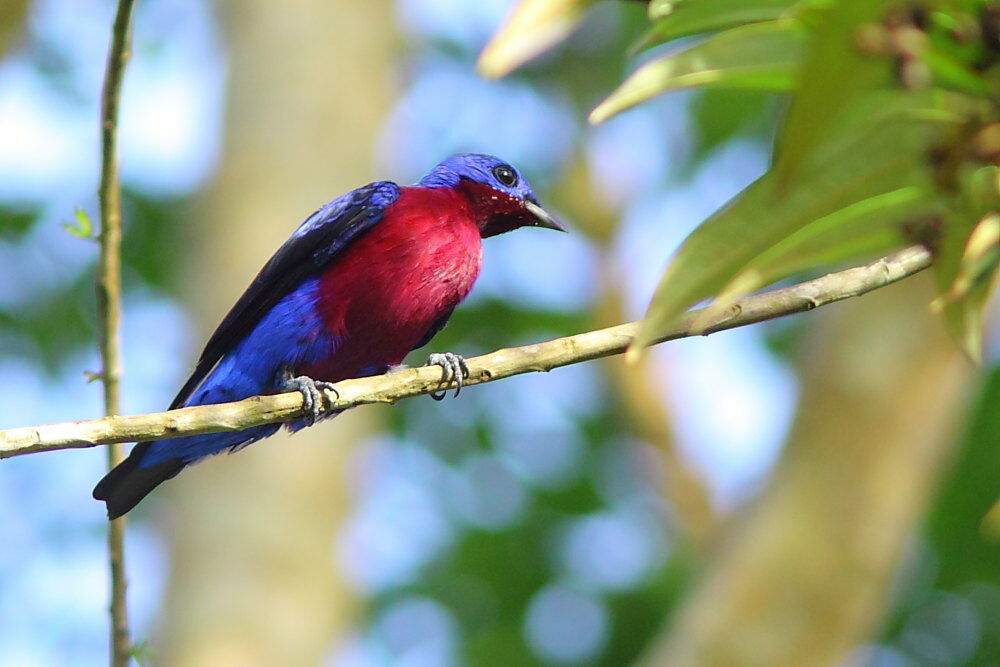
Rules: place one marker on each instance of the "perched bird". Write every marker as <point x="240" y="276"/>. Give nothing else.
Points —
<point x="364" y="280"/>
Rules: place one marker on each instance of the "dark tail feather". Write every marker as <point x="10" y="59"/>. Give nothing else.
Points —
<point x="125" y="485"/>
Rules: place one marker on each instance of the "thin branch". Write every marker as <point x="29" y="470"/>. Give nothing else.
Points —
<point x="109" y="305"/>
<point x="487" y="368"/>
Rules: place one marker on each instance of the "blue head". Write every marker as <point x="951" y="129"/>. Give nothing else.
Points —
<point x="501" y="197"/>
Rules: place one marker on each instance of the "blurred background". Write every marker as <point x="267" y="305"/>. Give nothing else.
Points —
<point x="820" y="483"/>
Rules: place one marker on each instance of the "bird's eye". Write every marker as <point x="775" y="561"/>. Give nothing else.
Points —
<point x="505" y="175"/>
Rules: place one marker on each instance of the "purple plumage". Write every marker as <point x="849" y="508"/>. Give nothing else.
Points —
<point x="366" y="279"/>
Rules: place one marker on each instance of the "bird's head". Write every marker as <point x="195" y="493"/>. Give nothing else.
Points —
<point x="501" y="198"/>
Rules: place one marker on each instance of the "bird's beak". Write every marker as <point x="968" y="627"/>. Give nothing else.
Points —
<point x="543" y="218"/>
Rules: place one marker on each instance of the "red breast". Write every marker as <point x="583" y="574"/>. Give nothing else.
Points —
<point x="395" y="282"/>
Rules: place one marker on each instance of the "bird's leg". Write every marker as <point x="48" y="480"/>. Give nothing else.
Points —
<point x="312" y="398"/>
<point x="453" y="367"/>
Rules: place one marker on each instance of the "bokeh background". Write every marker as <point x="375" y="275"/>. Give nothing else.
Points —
<point x="557" y="519"/>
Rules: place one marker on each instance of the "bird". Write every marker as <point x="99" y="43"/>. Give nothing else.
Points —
<point x="369" y="277"/>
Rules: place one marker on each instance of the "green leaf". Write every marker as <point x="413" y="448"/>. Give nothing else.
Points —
<point x="883" y="155"/>
<point x="761" y="56"/>
<point x="719" y="115"/>
<point x="964" y="315"/>
<point x="965" y="548"/>
<point x="16" y="221"/>
<point x="834" y="76"/>
<point x="683" y="19"/>
<point x="84" y="228"/>
<point x="991" y="523"/>
<point x="967" y="261"/>
<point x="862" y="230"/>
<point x="951" y="73"/>
<point x="532" y="27"/>
<point x="142" y="653"/>
<point x="660" y="8"/>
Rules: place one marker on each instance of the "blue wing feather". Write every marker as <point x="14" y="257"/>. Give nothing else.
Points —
<point x="275" y="323"/>
<point x="291" y="333"/>
<point x="309" y="250"/>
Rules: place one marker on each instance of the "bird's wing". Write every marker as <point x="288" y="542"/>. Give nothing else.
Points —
<point x="314" y="244"/>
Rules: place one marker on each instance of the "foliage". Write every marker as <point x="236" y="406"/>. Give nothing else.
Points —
<point x="83" y="228"/>
<point x="892" y="137"/>
<point x="60" y="321"/>
<point x="958" y="555"/>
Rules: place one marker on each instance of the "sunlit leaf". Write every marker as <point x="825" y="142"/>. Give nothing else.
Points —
<point x="991" y="523"/>
<point x="659" y="8"/>
<point x="964" y="316"/>
<point x="682" y="19"/>
<point x="84" y="228"/>
<point x="963" y="302"/>
<point x="761" y="56"/>
<point x="967" y="260"/>
<point x="531" y="28"/>
<point x="886" y="155"/>
<point x="980" y="259"/>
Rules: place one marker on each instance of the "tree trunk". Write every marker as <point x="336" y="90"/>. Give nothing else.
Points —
<point x="252" y="536"/>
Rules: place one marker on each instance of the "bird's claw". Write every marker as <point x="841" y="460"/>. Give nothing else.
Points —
<point x="453" y="368"/>
<point x="312" y="396"/>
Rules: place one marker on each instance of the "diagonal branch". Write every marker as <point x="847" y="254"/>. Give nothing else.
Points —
<point x="109" y="304"/>
<point x="487" y="368"/>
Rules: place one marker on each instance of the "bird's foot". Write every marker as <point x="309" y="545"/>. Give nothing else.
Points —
<point x="453" y="368"/>
<point x="312" y="396"/>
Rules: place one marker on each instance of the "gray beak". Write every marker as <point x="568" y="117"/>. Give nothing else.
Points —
<point x="543" y="218"/>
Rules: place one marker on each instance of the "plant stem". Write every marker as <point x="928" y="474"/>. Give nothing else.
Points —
<point x="109" y="305"/>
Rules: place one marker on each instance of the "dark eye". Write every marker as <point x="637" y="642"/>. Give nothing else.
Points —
<point x="505" y="175"/>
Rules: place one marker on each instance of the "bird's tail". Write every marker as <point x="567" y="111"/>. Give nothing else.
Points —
<point x="128" y="483"/>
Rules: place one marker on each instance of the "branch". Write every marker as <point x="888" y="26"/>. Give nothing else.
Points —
<point x="497" y="365"/>
<point x="109" y="306"/>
